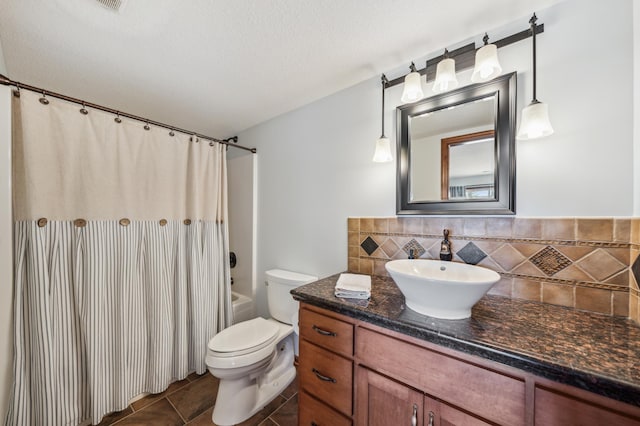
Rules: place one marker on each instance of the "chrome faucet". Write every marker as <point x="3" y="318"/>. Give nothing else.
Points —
<point x="412" y="253"/>
<point x="445" y="247"/>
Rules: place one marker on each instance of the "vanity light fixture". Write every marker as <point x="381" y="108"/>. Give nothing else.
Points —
<point x="382" y="153"/>
<point x="445" y="74"/>
<point x="487" y="66"/>
<point x="412" y="91"/>
<point x="535" y="117"/>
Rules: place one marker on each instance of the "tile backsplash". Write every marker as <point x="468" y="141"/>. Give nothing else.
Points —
<point x="588" y="264"/>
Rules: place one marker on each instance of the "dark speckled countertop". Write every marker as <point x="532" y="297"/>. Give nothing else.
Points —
<point x="594" y="352"/>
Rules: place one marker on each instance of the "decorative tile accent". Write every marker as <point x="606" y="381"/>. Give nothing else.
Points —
<point x="418" y="250"/>
<point x="550" y="261"/>
<point x="600" y="265"/>
<point x="635" y="269"/>
<point x="471" y="254"/>
<point x="369" y="245"/>
<point x="390" y="248"/>
<point x="507" y="257"/>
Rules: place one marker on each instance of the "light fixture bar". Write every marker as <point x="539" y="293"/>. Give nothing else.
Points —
<point x="465" y="55"/>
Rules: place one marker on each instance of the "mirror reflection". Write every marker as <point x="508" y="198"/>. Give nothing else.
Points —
<point x="452" y="153"/>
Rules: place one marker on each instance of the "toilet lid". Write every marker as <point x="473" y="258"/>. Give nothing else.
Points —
<point x="245" y="337"/>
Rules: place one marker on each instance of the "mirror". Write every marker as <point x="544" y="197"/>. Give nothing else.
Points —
<point x="456" y="151"/>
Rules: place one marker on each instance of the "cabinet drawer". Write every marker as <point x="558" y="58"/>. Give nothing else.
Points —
<point x="327" y="376"/>
<point x="468" y="386"/>
<point x="330" y="333"/>
<point x="553" y="409"/>
<point x="313" y="412"/>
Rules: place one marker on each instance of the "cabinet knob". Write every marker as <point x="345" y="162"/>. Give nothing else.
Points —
<point x="323" y="332"/>
<point x="414" y="417"/>
<point x="431" y="418"/>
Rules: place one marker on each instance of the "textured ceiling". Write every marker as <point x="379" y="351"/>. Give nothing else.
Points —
<point x="221" y="66"/>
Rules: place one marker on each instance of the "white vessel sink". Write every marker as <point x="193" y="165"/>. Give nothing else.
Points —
<point x="441" y="289"/>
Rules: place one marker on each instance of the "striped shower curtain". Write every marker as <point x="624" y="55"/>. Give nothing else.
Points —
<point x="120" y="251"/>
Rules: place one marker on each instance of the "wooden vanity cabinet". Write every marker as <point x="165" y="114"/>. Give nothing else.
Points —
<point x="353" y="372"/>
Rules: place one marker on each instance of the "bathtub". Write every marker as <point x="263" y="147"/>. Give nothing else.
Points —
<point x="242" y="307"/>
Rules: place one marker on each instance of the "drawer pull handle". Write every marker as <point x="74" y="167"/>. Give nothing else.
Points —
<point x="323" y="332"/>
<point x="314" y="424"/>
<point x="431" y="418"/>
<point x="414" y="417"/>
<point x="322" y="376"/>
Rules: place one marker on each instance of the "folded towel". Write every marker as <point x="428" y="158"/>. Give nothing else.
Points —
<point x="354" y="282"/>
<point x="353" y="286"/>
<point x="353" y="294"/>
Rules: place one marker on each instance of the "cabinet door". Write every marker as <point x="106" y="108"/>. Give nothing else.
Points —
<point x="381" y="401"/>
<point x="437" y="413"/>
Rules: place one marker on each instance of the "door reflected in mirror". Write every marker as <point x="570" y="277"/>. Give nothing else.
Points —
<point x="453" y="153"/>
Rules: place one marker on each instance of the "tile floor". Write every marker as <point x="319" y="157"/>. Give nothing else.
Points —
<point x="190" y="402"/>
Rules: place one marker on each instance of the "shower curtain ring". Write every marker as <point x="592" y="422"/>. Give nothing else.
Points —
<point x="83" y="110"/>
<point x="117" y="119"/>
<point x="43" y="100"/>
<point x="146" y="126"/>
<point x="16" y="92"/>
<point x="171" y="133"/>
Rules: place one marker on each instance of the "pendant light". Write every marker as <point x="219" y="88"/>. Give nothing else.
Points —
<point x="445" y="74"/>
<point x="487" y="66"/>
<point x="535" y="117"/>
<point x="382" y="153"/>
<point x="412" y="91"/>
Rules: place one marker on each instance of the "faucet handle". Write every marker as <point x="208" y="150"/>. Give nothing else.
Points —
<point x="446" y="233"/>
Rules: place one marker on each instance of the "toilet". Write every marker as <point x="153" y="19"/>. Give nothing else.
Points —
<point x="254" y="359"/>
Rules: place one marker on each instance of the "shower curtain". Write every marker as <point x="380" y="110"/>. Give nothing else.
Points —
<point x="121" y="260"/>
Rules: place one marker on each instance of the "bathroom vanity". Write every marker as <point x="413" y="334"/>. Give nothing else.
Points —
<point x="512" y="363"/>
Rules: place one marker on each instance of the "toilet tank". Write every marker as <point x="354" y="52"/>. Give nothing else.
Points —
<point x="282" y="307"/>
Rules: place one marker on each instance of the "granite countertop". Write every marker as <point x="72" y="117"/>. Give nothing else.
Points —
<point x="593" y="352"/>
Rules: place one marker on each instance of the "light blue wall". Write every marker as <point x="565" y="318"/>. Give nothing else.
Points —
<point x="3" y="67"/>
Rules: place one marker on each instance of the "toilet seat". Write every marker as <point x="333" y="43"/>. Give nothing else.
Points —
<point x="243" y="338"/>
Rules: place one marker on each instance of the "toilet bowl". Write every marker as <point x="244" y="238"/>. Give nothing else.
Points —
<point x="254" y="359"/>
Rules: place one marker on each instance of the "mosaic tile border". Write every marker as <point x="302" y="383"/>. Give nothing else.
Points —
<point x="582" y="263"/>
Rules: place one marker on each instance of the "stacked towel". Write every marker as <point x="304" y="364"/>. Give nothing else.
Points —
<point x="353" y="286"/>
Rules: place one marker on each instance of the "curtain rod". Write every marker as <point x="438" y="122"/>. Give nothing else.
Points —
<point x="232" y="141"/>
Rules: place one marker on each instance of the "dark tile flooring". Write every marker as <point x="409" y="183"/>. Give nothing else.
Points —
<point x="190" y="402"/>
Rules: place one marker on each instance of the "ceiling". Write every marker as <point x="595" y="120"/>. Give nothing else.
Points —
<point x="221" y="66"/>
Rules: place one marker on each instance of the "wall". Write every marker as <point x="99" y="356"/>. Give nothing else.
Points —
<point x="242" y="218"/>
<point x="315" y="166"/>
<point x="636" y="105"/>
<point x="6" y="249"/>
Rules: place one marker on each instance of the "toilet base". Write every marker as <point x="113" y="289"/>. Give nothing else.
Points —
<point x="239" y="399"/>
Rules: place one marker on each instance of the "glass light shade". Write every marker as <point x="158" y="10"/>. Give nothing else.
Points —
<point x="445" y="76"/>
<point x="412" y="91"/>
<point x="383" y="151"/>
<point x="487" y="65"/>
<point x="535" y="122"/>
